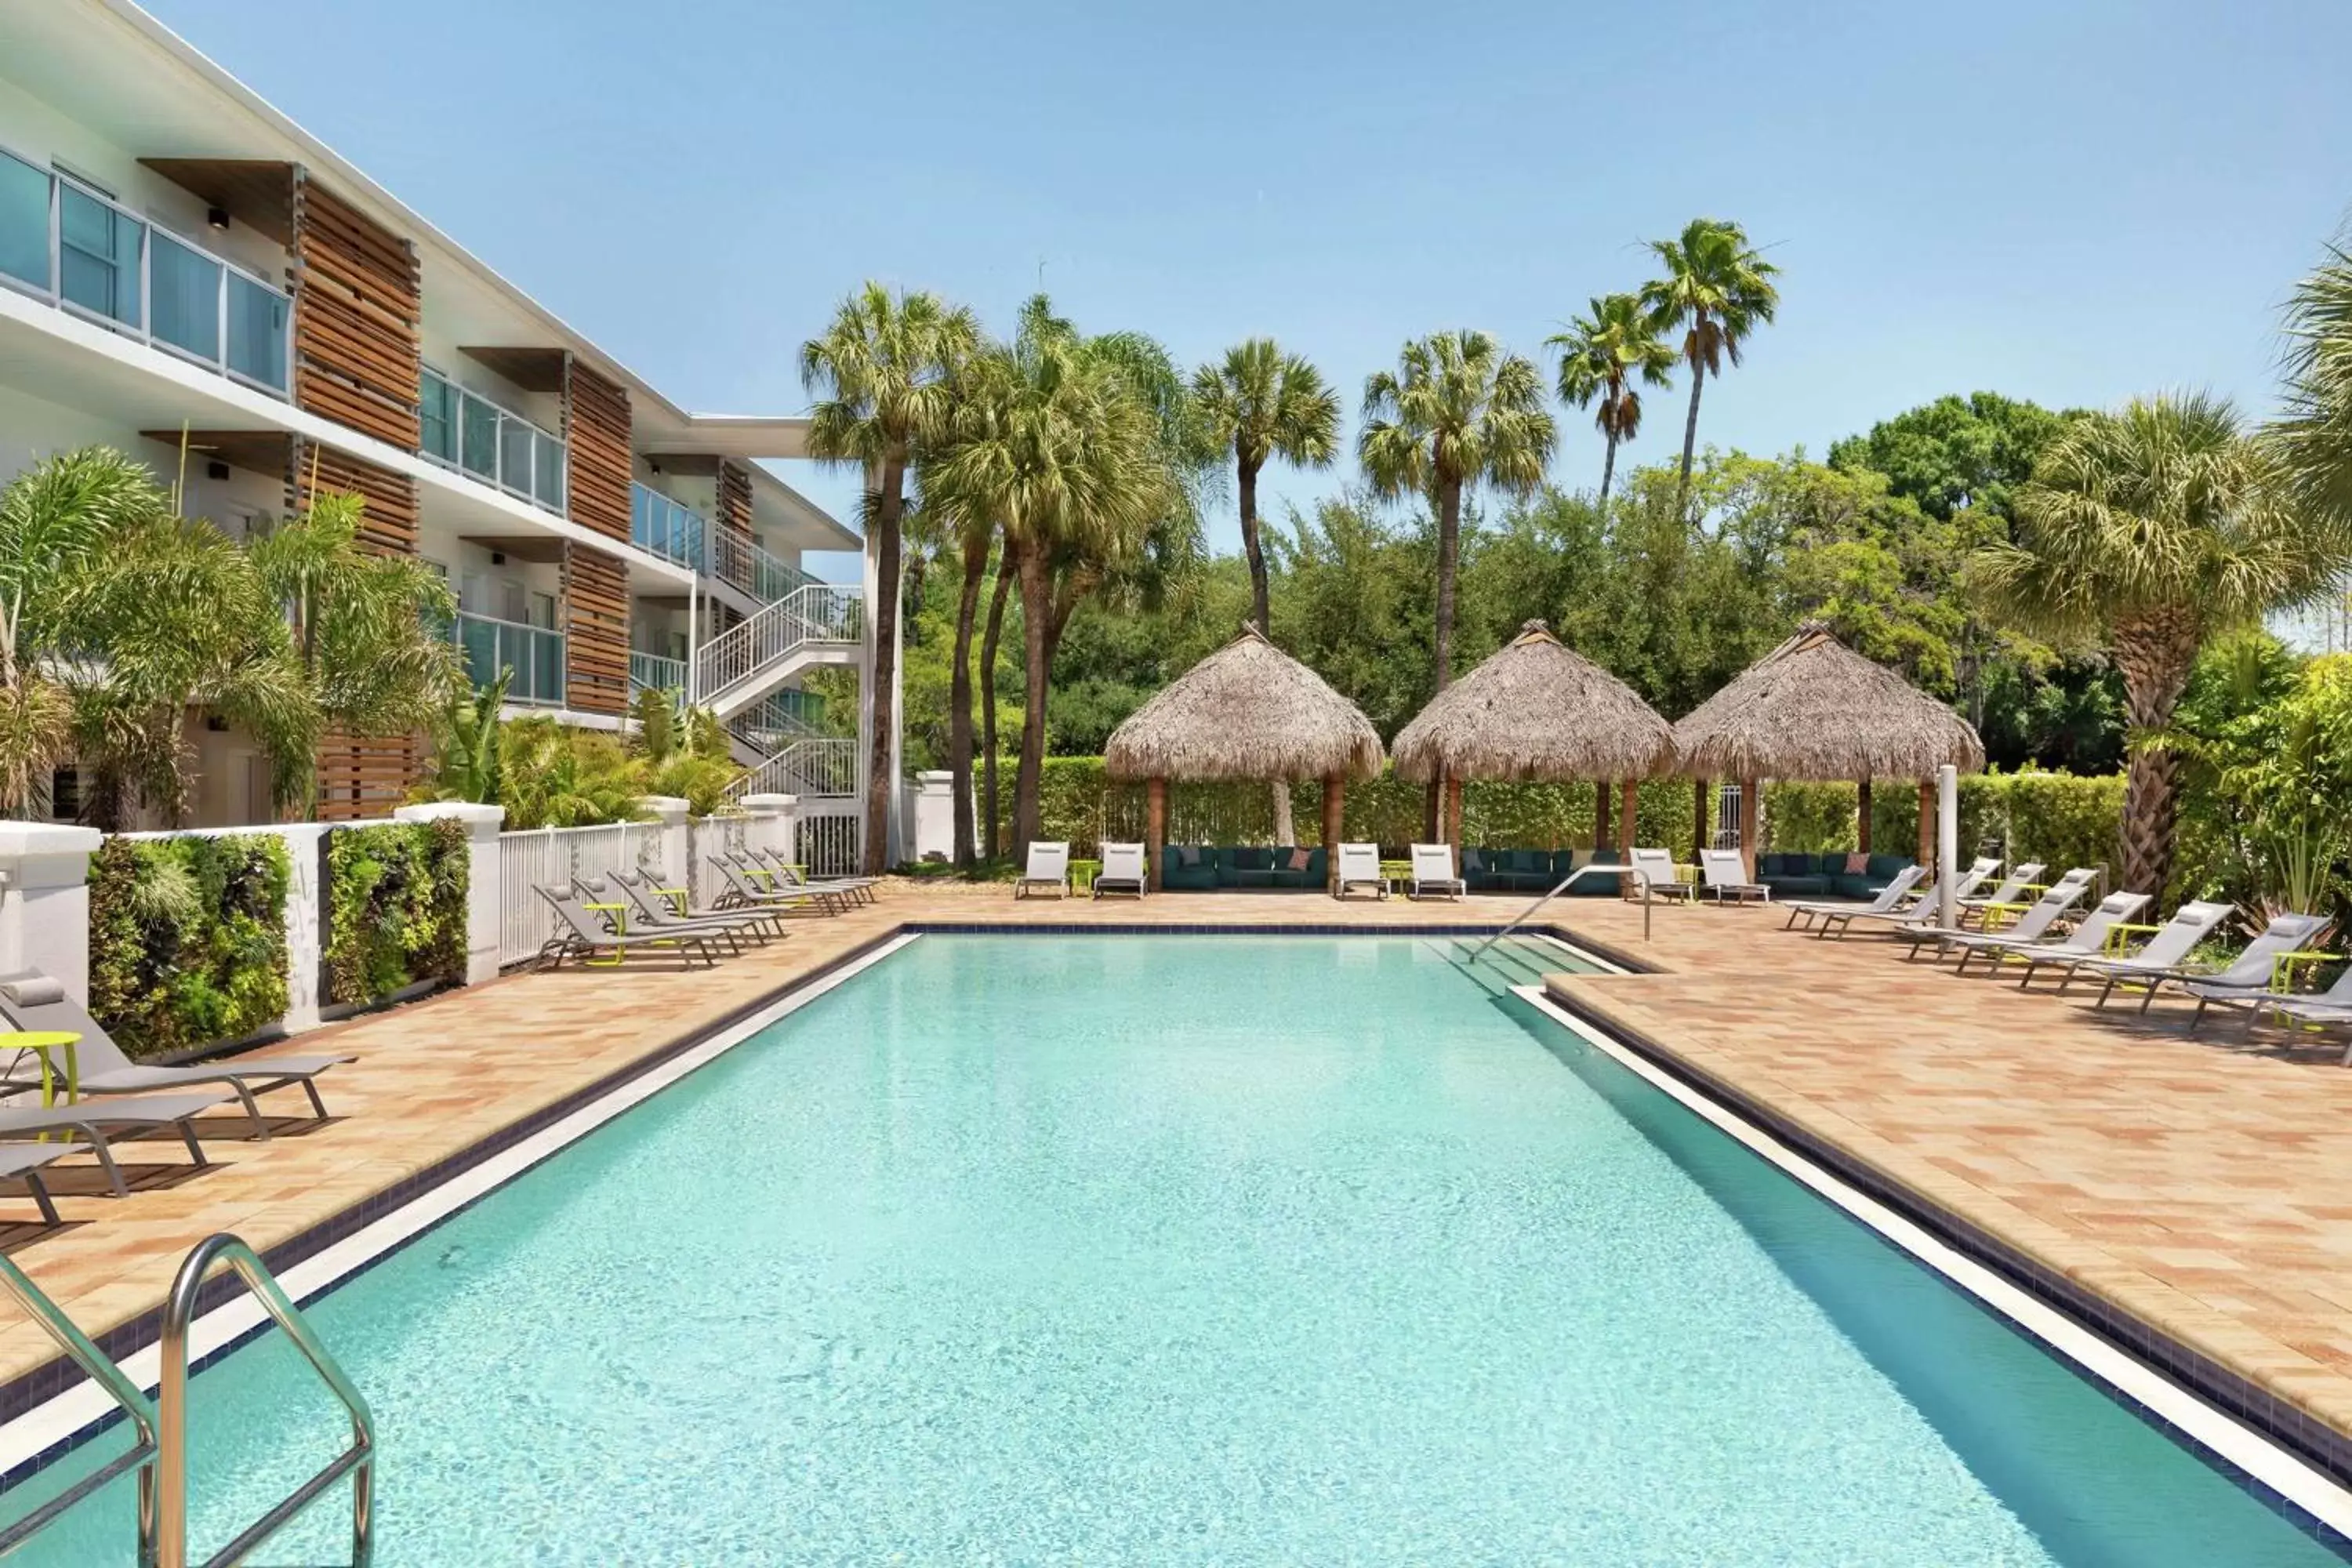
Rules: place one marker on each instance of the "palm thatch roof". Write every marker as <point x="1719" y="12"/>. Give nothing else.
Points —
<point x="1537" y="709"/>
<point x="1815" y="709"/>
<point x="1249" y="711"/>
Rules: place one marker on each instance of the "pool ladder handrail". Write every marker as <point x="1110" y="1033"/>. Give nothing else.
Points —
<point x="358" y="1461"/>
<point x="127" y="1395"/>
<point x="1629" y="870"/>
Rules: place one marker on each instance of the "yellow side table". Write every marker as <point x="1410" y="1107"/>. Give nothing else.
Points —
<point x="620" y="914"/>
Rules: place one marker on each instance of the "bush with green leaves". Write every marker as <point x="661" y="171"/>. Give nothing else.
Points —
<point x="395" y="906"/>
<point x="187" y="939"/>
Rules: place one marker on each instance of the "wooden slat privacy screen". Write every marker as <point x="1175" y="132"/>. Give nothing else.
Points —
<point x="389" y="523"/>
<point x="357" y="304"/>
<point x="596" y="429"/>
<point x="364" y="777"/>
<point x="734" y="508"/>
<point x="596" y="631"/>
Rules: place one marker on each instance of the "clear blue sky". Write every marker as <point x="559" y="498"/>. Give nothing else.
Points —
<point x="2070" y="203"/>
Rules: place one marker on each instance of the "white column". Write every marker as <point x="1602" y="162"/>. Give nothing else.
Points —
<point x="485" y="900"/>
<point x="771" y="822"/>
<point x="669" y="814"/>
<point x="934" y="817"/>
<point x="306" y="923"/>
<point x="45" y="901"/>
<point x="1948" y="843"/>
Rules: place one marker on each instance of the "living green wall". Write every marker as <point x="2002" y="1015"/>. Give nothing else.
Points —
<point x="187" y="939"/>
<point x="397" y="907"/>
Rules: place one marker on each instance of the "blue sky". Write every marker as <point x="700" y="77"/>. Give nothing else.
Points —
<point x="2070" y="203"/>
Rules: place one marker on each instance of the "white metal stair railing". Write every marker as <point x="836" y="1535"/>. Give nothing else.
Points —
<point x="748" y="659"/>
<point x="1635" y="873"/>
<point x="160" y="1451"/>
<point x="820" y="765"/>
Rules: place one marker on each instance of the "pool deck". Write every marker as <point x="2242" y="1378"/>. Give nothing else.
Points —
<point x="2199" y="1185"/>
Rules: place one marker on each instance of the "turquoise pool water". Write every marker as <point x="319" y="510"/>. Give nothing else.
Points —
<point x="1184" y="1250"/>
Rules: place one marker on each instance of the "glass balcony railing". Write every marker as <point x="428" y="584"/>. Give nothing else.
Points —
<point x="68" y="244"/>
<point x="478" y="439"/>
<point x="660" y="526"/>
<point x="653" y="670"/>
<point x="533" y="654"/>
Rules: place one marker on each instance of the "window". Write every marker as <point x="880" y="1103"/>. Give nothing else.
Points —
<point x="542" y="611"/>
<point x="64" y="795"/>
<point x="24" y="221"/>
<point x="97" y="257"/>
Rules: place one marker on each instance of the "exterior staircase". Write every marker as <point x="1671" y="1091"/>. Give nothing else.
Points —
<point x="815" y="623"/>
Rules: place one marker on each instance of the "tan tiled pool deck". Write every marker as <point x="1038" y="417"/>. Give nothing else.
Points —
<point x="2204" y="1187"/>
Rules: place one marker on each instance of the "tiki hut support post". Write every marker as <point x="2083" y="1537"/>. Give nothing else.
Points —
<point x="1452" y="823"/>
<point x="1751" y="813"/>
<point x="1700" y="837"/>
<point x="1861" y="814"/>
<point x="1155" y="825"/>
<point x="1604" y="832"/>
<point x="1335" y="798"/>
<point x="1927" y="822"/>
<point x="1625" y="814"/>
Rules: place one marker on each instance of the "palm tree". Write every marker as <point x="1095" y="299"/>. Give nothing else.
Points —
<point x="881" y="375"/>
<point x="1717" y="290"/>
<point x="2314" y="437"/>
<point x="1602" y="355"/>
<point x="1259" y="405"/>
<point x="2151" y="530"/>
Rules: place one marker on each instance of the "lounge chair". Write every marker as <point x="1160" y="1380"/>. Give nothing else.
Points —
<point x="580" y="934"/>
<point x="744" y="890"/>
<point x="2010" y="893"/>
<point x="2248" y="975"/>
<point x="1049" y="866"/>
<point x="1360" y="867"/>
<point x="31" y="1000"/>
<point x="1922" y="913"/>
<point x="651" y="912"/>
<point x="1889" y="898"/>
<point x="1434" y="876"/>
<point x="2090" y="943"/>
<point x="856" y="889"/>
<point x="92" y="1120"/>
<point x="26" y="1160"/>
<point x="767" y="873"/>
<point x="1725" y="874"/>
<point x="1658" y="876"/>
<point x="2331" y="1009"/>
<point x="1122" y="870"/>
<point x="2032" y="927"/>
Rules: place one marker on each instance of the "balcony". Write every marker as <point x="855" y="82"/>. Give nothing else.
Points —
<point x="734" y="559"/>
<point x="476" y="437"/>
<point x="63" y="242"/>
<point x="660" y="526"/>
<point x="654" y="670"/>
<point x="533" y="654"/>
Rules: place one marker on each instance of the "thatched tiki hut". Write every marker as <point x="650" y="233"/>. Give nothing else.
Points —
<point x="1536" y="710"/>
<point x="1248" y="711"/>
<point x="1815" y="709"/>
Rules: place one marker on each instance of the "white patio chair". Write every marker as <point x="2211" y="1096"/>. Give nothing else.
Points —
<point x="1049" y="866"/>
<point x="1360" y="867"/>
<point x="1434" y="876"/>
<point x="1725" y="876"/>
<point x="1122" y="870"/>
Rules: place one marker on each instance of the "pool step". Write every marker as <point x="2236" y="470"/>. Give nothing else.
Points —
<point x="1512" y="961"/>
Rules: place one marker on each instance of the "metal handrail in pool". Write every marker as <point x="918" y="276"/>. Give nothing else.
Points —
<point x="1629" y="870"/>
<point x="119" y="1388"/>
<point x="358" y="1461"/>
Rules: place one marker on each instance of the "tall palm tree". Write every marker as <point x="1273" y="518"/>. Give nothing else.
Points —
<point x="2314" y="438"/>
<point x="1602" y="355"/>
<point x="1259" y="405"/>
<point x="880" y="374"/>
<point x="1717" y="290"/>
<point x="1458" y="411"/>
<point x="2152" y="529"/>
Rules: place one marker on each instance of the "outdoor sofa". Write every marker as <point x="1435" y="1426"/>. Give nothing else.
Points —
<point x="1209" y="868"/>
<point x="1538" y="871"/>
<point x="1831" y="876"/>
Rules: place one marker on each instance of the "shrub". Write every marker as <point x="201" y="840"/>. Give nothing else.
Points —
<point x="397" y="907"/>
<point x="187" y="939"/>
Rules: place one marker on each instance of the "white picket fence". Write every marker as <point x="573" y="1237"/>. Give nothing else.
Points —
<point x="829" y="838"/>
<point x="553" y="856"/>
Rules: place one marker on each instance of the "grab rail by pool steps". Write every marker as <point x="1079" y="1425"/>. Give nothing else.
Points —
<point x="126" y="1394"/>
<point x="1528" y="913"/>
<point x="170" y="1543"/>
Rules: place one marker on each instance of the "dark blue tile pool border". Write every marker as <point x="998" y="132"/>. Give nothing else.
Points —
<point x="2309" y="1439"/>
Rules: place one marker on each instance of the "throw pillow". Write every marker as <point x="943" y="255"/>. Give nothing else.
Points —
<point x="1299" y="858"/>
<point x="1186" y="855"/>
<point x="1857" y="864"/>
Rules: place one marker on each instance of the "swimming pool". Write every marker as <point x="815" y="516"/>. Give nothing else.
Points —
<point x="1182" y="1249"/>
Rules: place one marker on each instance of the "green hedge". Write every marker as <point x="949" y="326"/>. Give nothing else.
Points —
<point x="397" y="907"/>
<point x="1077" y="801"/>
<point x="187" y="939"/>
<point x="2060" y="819"/>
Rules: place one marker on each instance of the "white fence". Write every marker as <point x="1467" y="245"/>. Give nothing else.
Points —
<point x="553" y="856"/>
<point x="828" y="837"/>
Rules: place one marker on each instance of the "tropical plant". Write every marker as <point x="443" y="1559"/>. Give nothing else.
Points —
<point x="2314" y="435"/>
<point x="1258" y="404"/>
<point x="464" y="763"/>
<point x="1458" y="411"/>
<point x="882" y="375"/>
<point x="2149" y="530"/>
<point x="558" y="776"/>
<point x="1717" y="290"/>
<point x="1600" y="356"/>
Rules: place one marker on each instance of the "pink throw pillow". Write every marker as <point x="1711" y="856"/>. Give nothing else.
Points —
<point x="1857" y="864"/>
<point x="1299" y="858"/>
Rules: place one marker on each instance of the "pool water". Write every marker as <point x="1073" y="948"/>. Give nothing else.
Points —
<point x="1182" y="1250"/>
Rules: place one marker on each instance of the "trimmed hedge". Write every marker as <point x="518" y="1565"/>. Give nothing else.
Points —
<point x="397" y="907"/>
<point x="1078" y="802"/>
<point x="2060" y="819"/>
<point x="187" y="939"/>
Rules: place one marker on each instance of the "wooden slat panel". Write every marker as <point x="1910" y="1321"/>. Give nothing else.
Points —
<point x="364" y="777"/>
<point x="596" y="631"/>
<point x="389" y="523"/>
<point x="734" y="507"/>
<point x="357" y="303"/>
<point x="596" y="429"/>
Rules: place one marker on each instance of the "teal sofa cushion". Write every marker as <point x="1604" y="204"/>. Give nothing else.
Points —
<point x="1199" y="876"/>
